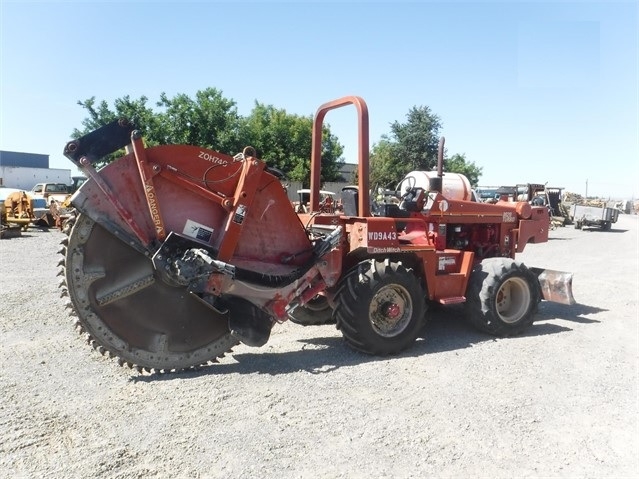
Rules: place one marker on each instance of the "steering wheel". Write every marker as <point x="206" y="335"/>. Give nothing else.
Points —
<point x="412" y="182"/>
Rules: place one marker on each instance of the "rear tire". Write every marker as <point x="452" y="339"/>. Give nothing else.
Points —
<point x="317" y="311"/>
<point x="380" y="307"/>
<point x="502" y="297"/>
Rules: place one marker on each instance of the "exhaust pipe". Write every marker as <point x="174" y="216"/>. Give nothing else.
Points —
<point x="435" y="184"/>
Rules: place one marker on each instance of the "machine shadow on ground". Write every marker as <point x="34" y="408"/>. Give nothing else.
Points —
<point x="446" y="330"/>
<point x="599" y="230"/>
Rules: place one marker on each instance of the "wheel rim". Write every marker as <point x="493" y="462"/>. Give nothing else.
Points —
<point x="513" y="299"/>
<point x="390" y="310"/>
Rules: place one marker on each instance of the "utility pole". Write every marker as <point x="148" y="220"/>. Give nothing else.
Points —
<point x="586" y="189"/>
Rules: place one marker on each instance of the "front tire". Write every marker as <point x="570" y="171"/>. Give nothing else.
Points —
<point x="502" y="297"/>
<point x="380" y="307"/>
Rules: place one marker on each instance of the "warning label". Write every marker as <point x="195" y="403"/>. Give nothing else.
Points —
<point x="198" y="231"/>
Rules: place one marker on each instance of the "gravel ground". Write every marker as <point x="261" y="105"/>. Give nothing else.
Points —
<point x="558" y="401"/>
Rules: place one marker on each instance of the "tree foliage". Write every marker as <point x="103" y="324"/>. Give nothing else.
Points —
<point x="418" y="138"/>
<point x="284" y="141"/>
<point x="458" y="164"/>
<point x="211" y="121"/>
<point x="413" y="146"/>
<point x="386" y="164"/>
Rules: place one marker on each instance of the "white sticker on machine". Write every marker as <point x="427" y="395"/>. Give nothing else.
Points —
<point x="509" y="217"/>
<point x="446" y="261"/>
<point x="198" y="231"/>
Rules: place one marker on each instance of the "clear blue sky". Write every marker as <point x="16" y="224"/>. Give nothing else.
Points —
<point x="530" y="91"/>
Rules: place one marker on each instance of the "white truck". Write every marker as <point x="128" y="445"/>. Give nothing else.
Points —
<point x="599" y="217"/>
<point x="56" y="191"/>
<point x="50" y="191"/>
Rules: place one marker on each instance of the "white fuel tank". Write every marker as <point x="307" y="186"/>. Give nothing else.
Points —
<point x="455" y="186"/>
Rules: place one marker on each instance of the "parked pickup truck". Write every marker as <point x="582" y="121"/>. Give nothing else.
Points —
<point x="600" y="217"/>
<point x="50" y="191"/>
<point x="57" y="191"/>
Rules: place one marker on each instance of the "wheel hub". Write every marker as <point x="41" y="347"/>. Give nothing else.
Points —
<point x="512" y="299"/>
<point x="390" y="310"/>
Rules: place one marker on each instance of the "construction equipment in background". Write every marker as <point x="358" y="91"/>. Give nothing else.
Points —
<point x="179" y="253"/>
<point x="17" y="213"/>
<point x="536" y="194"/>
<point x="328" y="201"/>
<point x="592" y="216"/>
<point x="56" y="210"/>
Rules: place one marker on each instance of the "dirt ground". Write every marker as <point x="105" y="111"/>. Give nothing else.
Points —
<point x="558" y="401"/>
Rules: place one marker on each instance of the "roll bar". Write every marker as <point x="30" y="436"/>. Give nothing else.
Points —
<point x="363" y="153"/>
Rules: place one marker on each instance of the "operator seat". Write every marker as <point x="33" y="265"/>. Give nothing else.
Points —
<point x="350" y="200"/>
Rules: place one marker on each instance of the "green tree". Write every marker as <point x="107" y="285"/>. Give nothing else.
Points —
<point x="211" y="121"/>
<point x="413" y="146"/>
<point x="417" y="139"/>
<point x="284" y="141"/>
<point x="385" y="164"/>
<point x="458" y="164"/>
<point x="409" y="146"/>
<point x="101" y="114"/>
